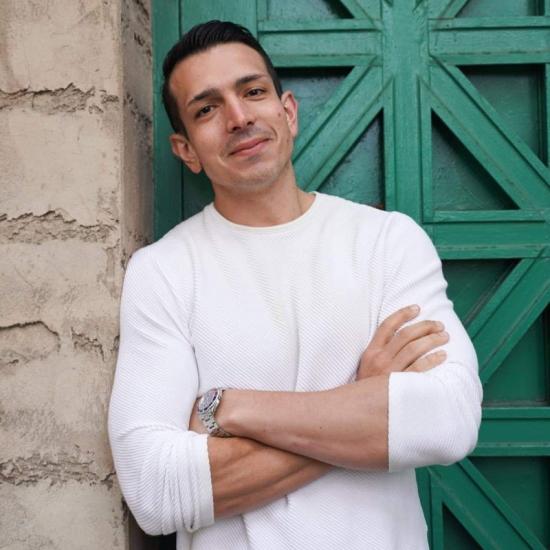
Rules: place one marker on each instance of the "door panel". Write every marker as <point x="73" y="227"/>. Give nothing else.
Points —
<point x="439" y="109"/>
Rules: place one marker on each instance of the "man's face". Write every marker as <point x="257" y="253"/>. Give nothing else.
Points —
<point x="239" y="131"/>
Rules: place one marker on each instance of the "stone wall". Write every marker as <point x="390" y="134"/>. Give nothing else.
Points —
<point x="75" y="201"/>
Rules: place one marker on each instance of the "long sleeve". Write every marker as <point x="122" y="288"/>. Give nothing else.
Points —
<point x="162" y="467"/>
<point x="434" y="416"/>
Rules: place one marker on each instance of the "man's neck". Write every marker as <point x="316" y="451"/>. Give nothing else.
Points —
<point x="280" y="203"/>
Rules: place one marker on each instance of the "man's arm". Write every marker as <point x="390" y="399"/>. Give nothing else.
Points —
<point x="247" y="474"/>
<point x="403" y="420"/>
<point x="172" y="477"/>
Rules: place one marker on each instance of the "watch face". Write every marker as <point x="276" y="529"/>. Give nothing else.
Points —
<point x="206" y="400"/>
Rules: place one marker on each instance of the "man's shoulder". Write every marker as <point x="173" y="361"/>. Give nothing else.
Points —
<point x="374" y="227"/>
<point x="363" y="215"/>
<point x="339" y="204"/>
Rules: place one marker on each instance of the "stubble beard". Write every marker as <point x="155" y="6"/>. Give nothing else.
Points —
<point x="258" y="179"/>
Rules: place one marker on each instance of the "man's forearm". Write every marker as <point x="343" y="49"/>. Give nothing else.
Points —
<point x="346" y="426"/>
<point x="280" y="431"/>
<point x="247" y="474"/>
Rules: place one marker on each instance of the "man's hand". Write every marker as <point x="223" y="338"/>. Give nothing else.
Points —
<point x="403" y="349"/>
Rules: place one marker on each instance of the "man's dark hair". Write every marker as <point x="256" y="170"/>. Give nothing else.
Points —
<point x="199" y="39"/>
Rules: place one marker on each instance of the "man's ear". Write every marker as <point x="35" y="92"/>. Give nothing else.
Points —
<point x="182" y="148"/>
<point x="290" y="105"/>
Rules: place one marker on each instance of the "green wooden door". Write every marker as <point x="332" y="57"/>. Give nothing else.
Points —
<point x="439" y="109"/>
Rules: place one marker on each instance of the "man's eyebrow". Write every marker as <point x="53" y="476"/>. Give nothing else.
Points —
<point x="249" y="78"/>
<point x="210" y="92"/>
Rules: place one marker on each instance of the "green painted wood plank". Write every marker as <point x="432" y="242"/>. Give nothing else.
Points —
<point x="545" y="114"/>
<point x="307" y="136"/>
<point x="545" y="107"/>
<point x="509" y="432"/>
<point x="362" y="9"/>
<point x="520" y="413"/>
<point x="486" y="40"/>
<point x="481" y="510"/>
<point x="445" y="8"/>
<point x="426" y="155"/>
<point x="239" y="11"/>
<point x="313" y="60"/>
<point x="507" y="450"/>
<point x="491" y="23"/>
<point x="513" y="165"/>
<point x="453" y="8"/>
<point x="490" y="239"/>
<point x="503" y="293"/>
<point x="318" y="25"/>
<point x="390" y="182"/>
<point x="332" y="133"/>
<point x="405" y="54"/>
<point x="458" y="252"/>
<point x="490" y="216"/>
<point x="167" y="169"/>
<point x="355" y="8"/>
<point x="261" y="11"/>
<point x="494" y="58"/>
<point x="436" y="8"/>
<point x="345" y="45"/>
<point x="330" y="43"/>
<point x="509" y="313"/>
<point x="490" y="309"/>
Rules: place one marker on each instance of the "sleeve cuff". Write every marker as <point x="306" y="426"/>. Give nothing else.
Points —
<point x="202" y="484"/>
<point x="416" y="421"/>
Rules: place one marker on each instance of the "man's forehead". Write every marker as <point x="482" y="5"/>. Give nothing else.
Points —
<point x="218" y="67"/>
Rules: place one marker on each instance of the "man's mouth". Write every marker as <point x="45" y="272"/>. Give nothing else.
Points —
<point x="249" y="147"/>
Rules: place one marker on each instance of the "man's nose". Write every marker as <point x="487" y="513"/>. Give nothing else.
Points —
<point x="239" y="115"/>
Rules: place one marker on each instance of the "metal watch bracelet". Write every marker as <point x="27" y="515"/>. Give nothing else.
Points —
<point x="207" y="407"/>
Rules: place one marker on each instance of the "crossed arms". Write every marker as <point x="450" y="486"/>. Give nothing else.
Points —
<point x="316" y="429"/>
<point x="404" y="410"/>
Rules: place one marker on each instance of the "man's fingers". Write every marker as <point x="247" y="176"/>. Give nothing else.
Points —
<point x="387" y="329"/>
<point x="412" y="333"/>
<point x="429" y="362"/>
<point x="397" y="348"/>
<point x="417" y="348"/>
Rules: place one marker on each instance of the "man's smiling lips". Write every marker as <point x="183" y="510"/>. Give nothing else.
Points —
<point x="250" y="147"/>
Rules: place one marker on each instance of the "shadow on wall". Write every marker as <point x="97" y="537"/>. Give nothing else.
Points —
<point x="140" y="541"/>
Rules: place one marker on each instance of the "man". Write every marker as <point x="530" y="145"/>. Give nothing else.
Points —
<point x="300" y="306"/>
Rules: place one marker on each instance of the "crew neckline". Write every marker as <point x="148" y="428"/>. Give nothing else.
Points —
<point x="267" y="229"/>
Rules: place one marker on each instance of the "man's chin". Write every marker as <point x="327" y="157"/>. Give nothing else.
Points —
<point x="249" y="180"/>
<point x="246" y="186"/>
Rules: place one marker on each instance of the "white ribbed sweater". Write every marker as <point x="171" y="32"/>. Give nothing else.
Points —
<point x="287" y="307"/>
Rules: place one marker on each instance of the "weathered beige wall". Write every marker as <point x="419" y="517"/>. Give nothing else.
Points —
<point x="75" y="201"/>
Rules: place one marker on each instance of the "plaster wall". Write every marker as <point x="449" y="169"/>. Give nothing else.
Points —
<point x="75" y="201"/>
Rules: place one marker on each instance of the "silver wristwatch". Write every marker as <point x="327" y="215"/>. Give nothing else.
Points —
<point x="208" y="404"/>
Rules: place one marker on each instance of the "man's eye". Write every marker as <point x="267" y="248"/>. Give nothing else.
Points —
<point x="255" y="92"/>
<point x="204" y="110"/>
